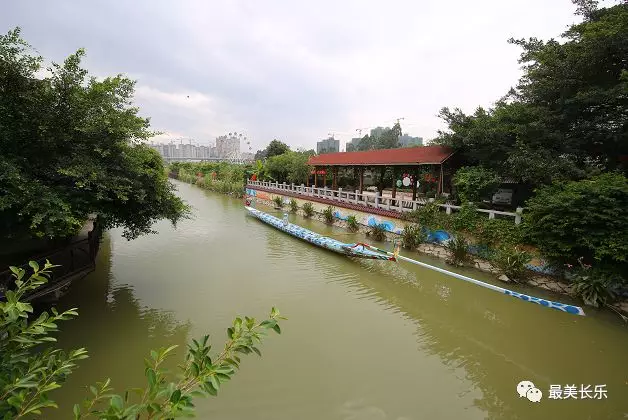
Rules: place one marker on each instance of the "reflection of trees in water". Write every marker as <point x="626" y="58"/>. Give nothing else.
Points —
<point x="116" y="330"/>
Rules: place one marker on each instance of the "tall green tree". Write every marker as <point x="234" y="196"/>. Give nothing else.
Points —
<point x="567" y="118"/>
<point x="276" y="148"/>
<point x="289" y="167"/>
<point x="366" y="143"/>
<point x="581" y="84"/>
<point x="70" y="145"/>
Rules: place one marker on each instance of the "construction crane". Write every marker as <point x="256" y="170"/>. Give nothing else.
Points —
<point x="359" y="130"/>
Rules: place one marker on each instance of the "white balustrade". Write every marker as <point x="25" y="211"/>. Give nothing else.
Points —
<point x="377" y="201"/>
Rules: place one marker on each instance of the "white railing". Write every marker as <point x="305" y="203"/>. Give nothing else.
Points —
<point x="373" y="200"/>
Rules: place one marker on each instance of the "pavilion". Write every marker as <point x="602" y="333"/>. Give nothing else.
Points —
<point x="433" y="160"/>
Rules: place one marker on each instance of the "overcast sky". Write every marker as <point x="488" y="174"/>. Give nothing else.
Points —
<point x="295" y="70"/>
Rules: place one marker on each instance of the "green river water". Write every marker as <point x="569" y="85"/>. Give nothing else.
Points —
<point x="365" y="339"/>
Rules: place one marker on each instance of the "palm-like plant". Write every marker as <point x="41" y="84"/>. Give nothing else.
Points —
<point x="258" y="169"/>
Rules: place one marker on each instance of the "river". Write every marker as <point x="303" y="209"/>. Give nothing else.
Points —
<point x="365" y="340"/>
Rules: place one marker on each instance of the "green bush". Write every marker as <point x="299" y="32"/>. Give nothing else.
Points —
<point x="430" y="216"/>
<point x="511" y="261"/>
<point x="294" y="206"/>
<point x="412" y="236"/>
<point x="587" y="219"/>
<point x="458" y="248"/>
<point x="278" y="201"/>
<point x="493" y="232"/>
<point x="595" y="286"/>
<point x="466" y="219"/>
<point x="474" y="183"/>
<point x="378" y="232"/>
<point x="352" y="223"/>
<point x="308" y="209"/>
<point x="328" y="214"/>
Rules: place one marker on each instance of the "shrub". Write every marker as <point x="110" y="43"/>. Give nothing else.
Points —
<point x="491" y="232"/>
<point x="585" y="218"/>
<point x="308" y="209"/>
<point x="294" y="206"/>
<point x="378" y="232"/>
<point x="278" y="201"/>
<point x="511" y="261"/>
<point x="466" y="219"/>
<point x="458" y="250"/>
<point x="412" y="236"/>
<point x="328" y="214"/>
<point x="352" y="223"/>
<point x="474" y="183"/>
<point x="429" y="216"/>
<point x="596" y="287"/>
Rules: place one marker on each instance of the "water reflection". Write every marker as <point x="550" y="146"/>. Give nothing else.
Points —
<point x="491" y="343"/>
<point x="117" y="331"/>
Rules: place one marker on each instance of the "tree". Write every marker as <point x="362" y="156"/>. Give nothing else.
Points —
<point x="70" y="145"/>
<point x="276" y="148"/>
<point x="568" y="116"/>
<point x="289" y="167"/>
<point x="582" y="84"/>
<point x="582" y="219"/>
<point x="474" y="183"/>
<point x="30" y="367"/>
<point x="366" y="143"/>
<point x="260" y="155"/>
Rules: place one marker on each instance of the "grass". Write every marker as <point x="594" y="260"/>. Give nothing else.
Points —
<point x="352" y="223"/>
<point x="278" y="201"/>
<point x="328" y="214"/>
<point x="511" y="261"/>
<point x="294" y="206"/>
<point x="378" y="232"/>
<point x="308" y="210"/>
<point x="412" y="236"/>
<point x="458" y="251"/>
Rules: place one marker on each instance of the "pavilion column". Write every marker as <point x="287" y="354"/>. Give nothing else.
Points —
<point x="316" y="177"/>
<point x="394" y="185"/>
<point x="361" y="170"/>
<point x="334" y="183"/>
<point x="440" y="180"/>
<point x="416" y="178"/>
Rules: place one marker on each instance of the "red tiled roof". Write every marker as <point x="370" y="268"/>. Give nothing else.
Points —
<point x="403" y="156"/>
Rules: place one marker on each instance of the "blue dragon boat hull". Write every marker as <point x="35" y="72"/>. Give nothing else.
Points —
<point x="351" y="250"/>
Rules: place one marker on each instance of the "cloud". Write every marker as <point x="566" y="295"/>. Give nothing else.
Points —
<point x="296" y="70"/>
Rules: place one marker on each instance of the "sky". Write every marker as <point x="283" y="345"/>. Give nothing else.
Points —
<point x="293" y="70"/>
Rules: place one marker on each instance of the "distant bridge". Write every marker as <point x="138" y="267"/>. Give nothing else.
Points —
<point x="214" y="159"/>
